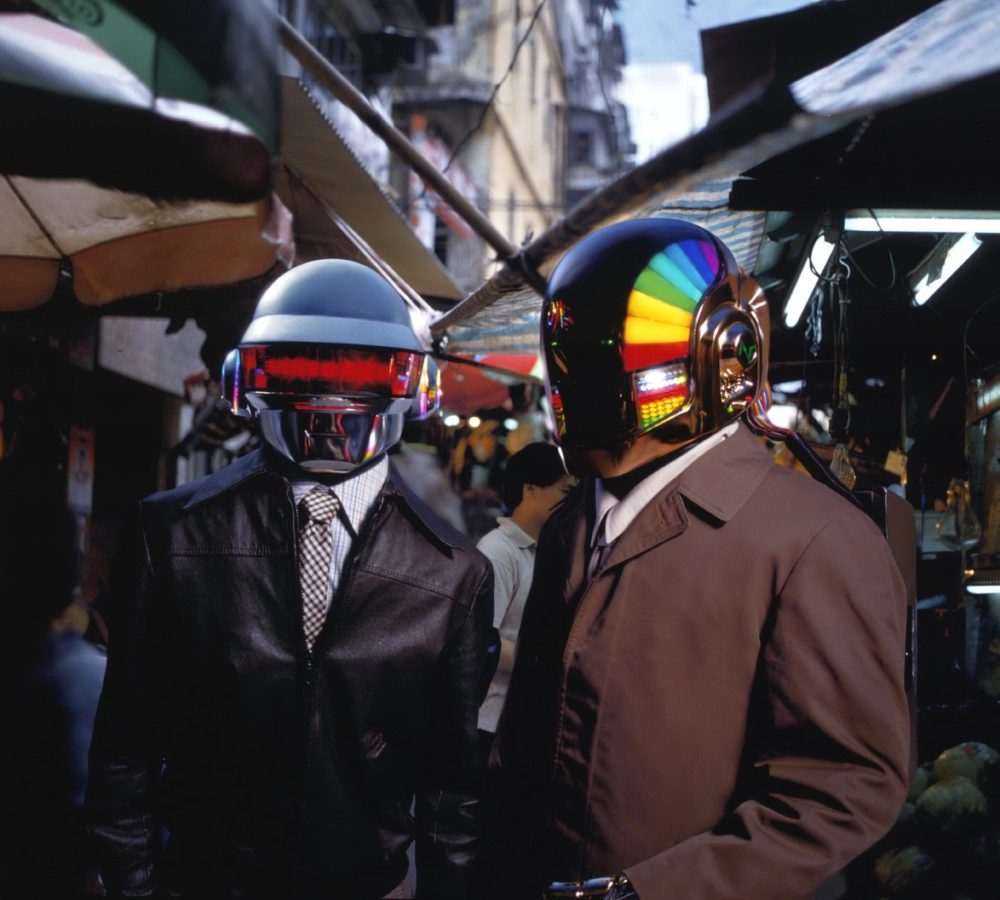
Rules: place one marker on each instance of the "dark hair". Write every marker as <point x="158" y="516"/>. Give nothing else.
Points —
<point x="539" y="464"/>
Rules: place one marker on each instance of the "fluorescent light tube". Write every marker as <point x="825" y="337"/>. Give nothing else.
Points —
<point x="808" y="276"/>
<point x="945" y="221"/>
<point x="983" y="588"/>
<point x="950" y="253"/>
<point x="982" y="581"/>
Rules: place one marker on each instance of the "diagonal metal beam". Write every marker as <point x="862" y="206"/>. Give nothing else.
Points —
<point x="353" y="99"/>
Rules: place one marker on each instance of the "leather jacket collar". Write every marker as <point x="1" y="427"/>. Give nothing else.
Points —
<point x="265" y="462"/>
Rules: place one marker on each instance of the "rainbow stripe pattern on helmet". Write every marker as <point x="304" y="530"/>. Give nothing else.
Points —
<point x="658" y="323"/>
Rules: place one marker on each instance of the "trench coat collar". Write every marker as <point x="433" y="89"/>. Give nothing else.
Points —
<point x="265" y="462"/>
<point x="723" y="480"/>
<point x="718" y="484"/>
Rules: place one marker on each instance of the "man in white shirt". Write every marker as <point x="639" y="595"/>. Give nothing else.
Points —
<point x="534" y="483"/>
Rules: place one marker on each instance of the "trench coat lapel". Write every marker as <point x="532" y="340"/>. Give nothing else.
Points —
<point x="663" y="518"/>
<point x="717" y="484"/>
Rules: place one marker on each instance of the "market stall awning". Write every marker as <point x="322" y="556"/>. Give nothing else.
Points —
<point x="955" y="43"/>
<point x="124" y="245"/>
<point x="168" y="99"/>
<point x="318" y="162"/>
<point x="115" y="242"/>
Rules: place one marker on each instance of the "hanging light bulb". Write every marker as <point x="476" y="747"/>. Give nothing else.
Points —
<point x="842" y="468"/>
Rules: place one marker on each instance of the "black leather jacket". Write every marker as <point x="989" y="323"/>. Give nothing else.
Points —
<point x="228" y="761"/>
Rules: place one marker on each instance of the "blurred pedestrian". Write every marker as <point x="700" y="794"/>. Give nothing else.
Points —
<point x="420" y="468"/>
<point x="534" y="484"/>
<point x="51" y="696"/>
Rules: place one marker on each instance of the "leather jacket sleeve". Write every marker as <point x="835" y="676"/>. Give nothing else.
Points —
<point x="126" y="753"/>
<point x="448" y="812"/>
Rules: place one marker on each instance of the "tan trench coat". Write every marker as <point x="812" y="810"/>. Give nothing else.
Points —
<point x="721" y="711"/>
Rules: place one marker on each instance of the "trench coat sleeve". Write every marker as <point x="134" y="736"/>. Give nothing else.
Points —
<point x="825" y="766"/>
<point x="448" y="810"/>
<point x="126" y="752"/>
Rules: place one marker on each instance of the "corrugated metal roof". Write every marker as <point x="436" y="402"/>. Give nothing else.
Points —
<point x="313" y="150"/>
<point x="948" y="44"/>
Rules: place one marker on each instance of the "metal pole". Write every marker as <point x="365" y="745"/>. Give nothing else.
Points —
<point x="353" y="99"/>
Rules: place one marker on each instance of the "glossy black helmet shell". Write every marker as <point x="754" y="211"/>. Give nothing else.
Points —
<point x="650" y="325"/>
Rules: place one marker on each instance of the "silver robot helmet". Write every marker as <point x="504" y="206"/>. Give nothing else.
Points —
<point x="330" y="365"/>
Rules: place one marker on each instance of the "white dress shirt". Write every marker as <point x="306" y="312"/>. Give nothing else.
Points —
<point x="511" y="551"/>
<point x="357" y="493"/>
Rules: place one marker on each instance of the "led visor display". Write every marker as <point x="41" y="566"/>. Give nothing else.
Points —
<point x="660" y="392"/>
<point x="317" y="370"/>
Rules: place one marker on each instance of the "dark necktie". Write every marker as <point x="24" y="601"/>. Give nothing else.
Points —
<point x="600" y="549"/>
<point x="317" y="510"/>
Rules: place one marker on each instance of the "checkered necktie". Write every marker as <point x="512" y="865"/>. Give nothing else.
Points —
<point x="317" y="510"/>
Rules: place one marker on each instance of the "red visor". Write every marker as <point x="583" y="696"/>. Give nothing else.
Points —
<point x="311" y="370"/>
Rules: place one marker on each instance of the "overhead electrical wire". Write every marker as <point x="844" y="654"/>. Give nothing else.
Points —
<point x="496" y="87"/>
<point x="892" y="260"/>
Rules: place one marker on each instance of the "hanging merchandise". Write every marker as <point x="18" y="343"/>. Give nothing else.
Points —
<point x="841" y="464"/>
<point x="842" y="468"/>
<point x="958" y="526"/>
<point x="814" y="323"/>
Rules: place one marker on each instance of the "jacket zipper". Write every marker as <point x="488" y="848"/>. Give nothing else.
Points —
<point x="308" y="657"/>
<point x="347" y="577"/>
<point x="343" y="585"/>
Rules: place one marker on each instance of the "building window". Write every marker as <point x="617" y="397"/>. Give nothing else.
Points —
<point x="437" y="12"/>
<point x="441" y="239"/>
<point x="581" y="148"/>
<point x="331" y="44"/>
